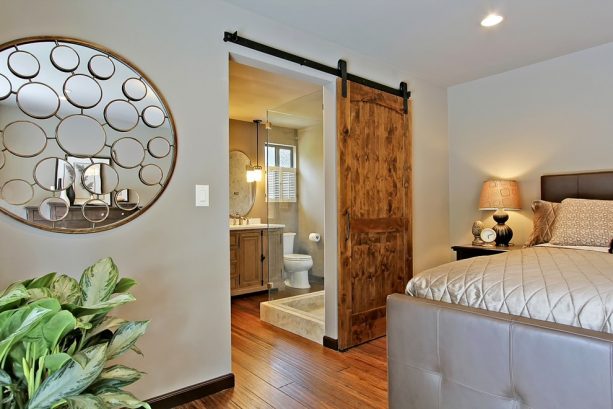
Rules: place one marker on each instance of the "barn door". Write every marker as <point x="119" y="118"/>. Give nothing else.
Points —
<point x="374" y="208"/>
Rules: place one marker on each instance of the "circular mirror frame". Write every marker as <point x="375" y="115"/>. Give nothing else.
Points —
<point x="173" y="131"/>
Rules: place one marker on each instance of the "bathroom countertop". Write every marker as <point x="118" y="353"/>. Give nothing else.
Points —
<point x="256" y="226"/>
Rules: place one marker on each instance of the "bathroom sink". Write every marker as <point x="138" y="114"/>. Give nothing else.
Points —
<point x="256" y="226"/>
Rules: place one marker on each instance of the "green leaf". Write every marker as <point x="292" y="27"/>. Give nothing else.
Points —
<point x="5" y="379"/>
<point x="98" y="282"/>
<point x="66" y="289"/>
<point x="41" y="282"/>
<point x="54" y="362"/>
<point x="57" y="327"/>
<point x="108" y="323"/>
<point x="122" y="399"/>
<point x="84" y="402"/>
<point x="13" y="294"/>
<point x="124" y="285"/>
<point x="18" y="325"/>
<point x="39" y="293"/>
<point x="71" y="379"/>
<point x="125" y="337"/>
<point x="102" y="307"/>
<point x="116" y="376"/>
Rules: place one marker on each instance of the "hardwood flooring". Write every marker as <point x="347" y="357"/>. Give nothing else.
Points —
<point x="277" y="369"/>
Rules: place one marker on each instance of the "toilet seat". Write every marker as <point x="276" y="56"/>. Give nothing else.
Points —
<point x="297" y="257"/>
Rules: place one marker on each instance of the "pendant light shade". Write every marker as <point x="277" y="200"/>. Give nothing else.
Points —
<point x="254" y="173"/>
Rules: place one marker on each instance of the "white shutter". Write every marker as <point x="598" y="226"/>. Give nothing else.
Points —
<point x="281" y="184"/>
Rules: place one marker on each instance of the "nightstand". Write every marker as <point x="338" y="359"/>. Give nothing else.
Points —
<point x="468" y="251"/>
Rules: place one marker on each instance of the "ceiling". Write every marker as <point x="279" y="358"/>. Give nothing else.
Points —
<point x="442" y="40"/>
<point x="253" y="92"/>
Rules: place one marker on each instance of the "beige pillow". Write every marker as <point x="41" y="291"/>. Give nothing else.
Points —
<point x="582" y="222"/>
<point x="543" y="221"/>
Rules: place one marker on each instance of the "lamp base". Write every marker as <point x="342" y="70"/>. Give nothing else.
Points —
<point x="504" y="233"/>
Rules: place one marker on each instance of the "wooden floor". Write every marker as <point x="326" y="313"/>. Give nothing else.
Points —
<point x="277" y="369"/>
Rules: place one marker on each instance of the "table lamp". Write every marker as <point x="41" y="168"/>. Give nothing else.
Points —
<point x="500" y="195"/>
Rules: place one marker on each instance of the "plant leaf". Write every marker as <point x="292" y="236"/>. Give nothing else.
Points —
<point x="107" y="323"/>
<point x="66" y="289"/>
<point x="98" y="282"/>
<point x="124" y="285"/>
<point x="54" y="362"/>
<point x="125" y="337"/>
<point x="84" y="402"/>
<point x="41" y="282"/>
<point x="102" y="307"/>
<point x="117" y="376"/>
<point x="14" y="293"/>
<point x="18" y="325"/>
<point x="122" y="399"/>
<point x="36" y="294"/>
<point x="5" y="379"/>
<point x="71" y="379"/>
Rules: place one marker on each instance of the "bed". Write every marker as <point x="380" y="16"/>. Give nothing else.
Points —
<point x="535" y="330"/>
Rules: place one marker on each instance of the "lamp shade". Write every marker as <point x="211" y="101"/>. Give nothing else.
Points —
<point x="500" y="194"/>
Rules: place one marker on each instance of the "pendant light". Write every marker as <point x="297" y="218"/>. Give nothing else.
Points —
<point x="254" y="173"/>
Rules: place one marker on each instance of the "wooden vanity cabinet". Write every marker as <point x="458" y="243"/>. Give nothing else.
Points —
<point x="249" y="259"/>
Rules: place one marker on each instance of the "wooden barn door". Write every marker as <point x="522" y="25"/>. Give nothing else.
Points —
<point x="374" y="208"/>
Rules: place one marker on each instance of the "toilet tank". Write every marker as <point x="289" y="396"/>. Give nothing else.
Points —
<point x="288" y="243"/>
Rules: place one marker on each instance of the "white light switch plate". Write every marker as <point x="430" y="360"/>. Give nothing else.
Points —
<point x="202" y="195"/>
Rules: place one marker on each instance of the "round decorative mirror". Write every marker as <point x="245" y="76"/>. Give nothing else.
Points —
<point x="87" y="142"/>
<point x="242" y="193"/>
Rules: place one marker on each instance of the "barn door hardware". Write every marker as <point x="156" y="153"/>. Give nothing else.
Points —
<point x="339" y="71"/>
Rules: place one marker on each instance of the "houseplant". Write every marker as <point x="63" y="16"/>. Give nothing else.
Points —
<point x="56" y="338"/>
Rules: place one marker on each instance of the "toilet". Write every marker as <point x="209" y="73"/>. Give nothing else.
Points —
<point x="296" y="266"/>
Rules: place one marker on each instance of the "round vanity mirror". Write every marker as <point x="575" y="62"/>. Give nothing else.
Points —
<point x="242" y="193"/>
<point x="87" y="142"/>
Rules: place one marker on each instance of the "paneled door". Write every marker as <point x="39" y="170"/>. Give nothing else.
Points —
<point x="374" y="208"/>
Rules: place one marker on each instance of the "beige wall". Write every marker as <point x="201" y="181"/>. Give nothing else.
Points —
<point x="311" y="195"/>
<point x="555" y="116"/>
<point x="178" y="252"/>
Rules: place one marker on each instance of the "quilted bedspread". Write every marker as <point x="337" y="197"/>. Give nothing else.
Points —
<point x="567" y="286"/>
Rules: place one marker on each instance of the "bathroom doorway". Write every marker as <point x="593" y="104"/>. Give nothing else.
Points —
<point x="277" y="239"/>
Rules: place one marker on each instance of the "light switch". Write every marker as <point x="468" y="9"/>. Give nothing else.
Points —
<point x="202" y="195"/>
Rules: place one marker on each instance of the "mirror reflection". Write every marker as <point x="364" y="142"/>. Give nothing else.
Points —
<point x="86" y="142"/>
<point x="242" y="193"/>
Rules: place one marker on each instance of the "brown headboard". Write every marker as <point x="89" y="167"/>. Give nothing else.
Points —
<point x="593" y="185"/>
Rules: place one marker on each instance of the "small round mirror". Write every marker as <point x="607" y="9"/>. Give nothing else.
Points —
<point x="101" y="67"/>
<point x="80" y="135"/>
<point x="150" y="175"/>
<point x="54" y="174"/>
<point x="127" y="199"/>
<point x="38" y="100"/>
<point x="158" y="147"/>
<point x="134" y="89"/>
<point x="82" y="91"/>
<point x="95" y="210"/>
<point x="64" y="58"/>
<point x="153" y="116"/>
<point x="128" y="152"/>
<point x="121" y="115"/>
<point x="17" y="192"/>
<point x="23" y="64"/>
<point x="54" y="209"/>
<point x="5" y="87"/>
<point x="25" y="139"/>
<point x="100" y="179"/>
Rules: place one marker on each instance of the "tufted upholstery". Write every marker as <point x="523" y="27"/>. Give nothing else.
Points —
<point x="443" y="356"/>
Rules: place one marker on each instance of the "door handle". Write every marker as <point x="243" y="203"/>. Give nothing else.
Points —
<point x="348" y="225"/>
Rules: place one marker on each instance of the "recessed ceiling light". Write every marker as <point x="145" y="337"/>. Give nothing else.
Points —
<point x="491" y="20"/>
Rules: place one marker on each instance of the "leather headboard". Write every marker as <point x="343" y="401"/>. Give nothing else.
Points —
<point x="593" y="185"/>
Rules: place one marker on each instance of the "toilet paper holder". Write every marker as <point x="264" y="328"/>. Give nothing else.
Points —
<point x="316" y="237"/>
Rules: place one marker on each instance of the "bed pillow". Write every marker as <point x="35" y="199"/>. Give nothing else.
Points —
<point x="544" y="217"/>
<point x="582" y="222"/>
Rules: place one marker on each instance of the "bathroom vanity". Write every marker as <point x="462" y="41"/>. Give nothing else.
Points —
<point x="256" y="253"/>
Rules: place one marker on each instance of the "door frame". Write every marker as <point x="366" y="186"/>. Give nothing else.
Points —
<point x="328" y="82"/>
